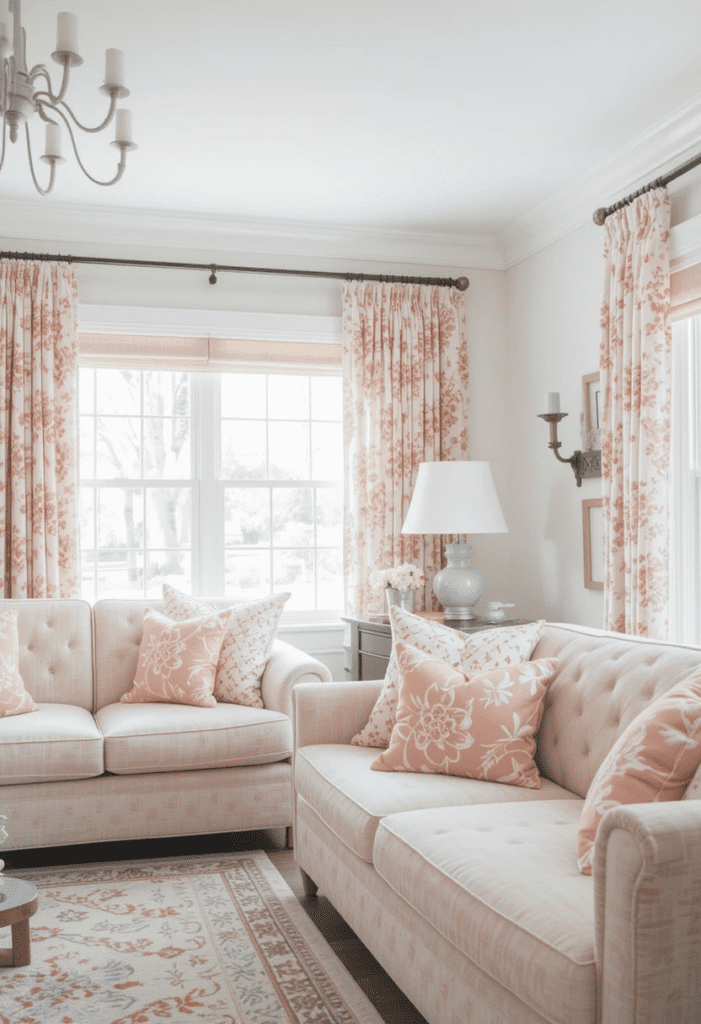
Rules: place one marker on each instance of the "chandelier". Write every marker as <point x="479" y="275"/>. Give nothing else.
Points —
<point x="25" y="92"/>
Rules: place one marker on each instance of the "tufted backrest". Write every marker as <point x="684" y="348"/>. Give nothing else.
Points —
<point x="603" y="681"/>
<point x="55" y="649"/>
<point x="118" y="624"/>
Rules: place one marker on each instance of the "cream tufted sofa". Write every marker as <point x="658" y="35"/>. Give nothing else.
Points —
<point x="468" y="892"/>
<point x="85" y="768"/>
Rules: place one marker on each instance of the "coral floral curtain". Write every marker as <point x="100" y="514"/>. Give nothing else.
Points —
<point x="636" y="376"/>
<point x="405" y="373"/>
<point x="39" y="350"/>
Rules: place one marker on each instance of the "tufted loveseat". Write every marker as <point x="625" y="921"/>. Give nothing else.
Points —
<point x="468" y="892"/>
<point x="86" y="768"/>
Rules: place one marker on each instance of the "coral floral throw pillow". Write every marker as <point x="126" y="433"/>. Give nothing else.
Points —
<point x="481" y="727"/>
<point x="475" y="652"/>
<point x="178" y="660"/>
<point x="14" y="699"/>
<point x="654" y="759"/>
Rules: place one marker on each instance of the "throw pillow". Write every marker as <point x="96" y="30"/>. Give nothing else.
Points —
<point x="246" y="646"/>
<point x="474" y="652"/>
<point x="14" y="699"/>
<point x="178" y="660"/>
<point x="479" y="727"/>
<point x="654" y="759"/>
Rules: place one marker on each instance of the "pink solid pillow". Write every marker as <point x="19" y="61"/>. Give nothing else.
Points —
<point x="178" y="660"/>
<point x="481" y="727"/>
<point x="654" y="759"/>
<point x="14" y="699"/>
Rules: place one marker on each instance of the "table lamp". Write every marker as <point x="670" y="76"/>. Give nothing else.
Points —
<point x="455" y="498"/>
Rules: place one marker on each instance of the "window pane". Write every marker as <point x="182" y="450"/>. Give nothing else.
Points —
<point x="243" y="450"/>
<point x="120" y="518"/>
<point x="87" y="447"/>
<point x="172" y="567"/>
<point x="88" y="590"/>
<point x="247" y="516"/>
<point x="294" y="571"/>
<point x="86" y="390"/>
<point x="118" y="448"/>
<point x="288" y="397"/>
<point x="166" y="394"/>
<point x="293" y="516"/>
<point x="166" y="449"/>
<point x="168" y="517"/>
<point x="329" y="516"/>
<point x="119" y="391"/>
<point x="289" y="451"/>
<point x="330" y="579"/>
<point x="87" y="516"/>
<point x="247" y="574"/>
<point x="327" y="451"/>
<point x="327" y="398"/>
<point x="243" y="394"/>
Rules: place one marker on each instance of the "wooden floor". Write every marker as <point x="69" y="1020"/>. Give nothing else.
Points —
<point x="390" y="1003"/>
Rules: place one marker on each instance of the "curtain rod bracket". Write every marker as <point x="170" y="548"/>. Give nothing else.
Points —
<point x="213" y="275"/>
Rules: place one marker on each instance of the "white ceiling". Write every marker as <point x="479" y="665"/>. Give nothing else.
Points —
<point x="449" y="116"/>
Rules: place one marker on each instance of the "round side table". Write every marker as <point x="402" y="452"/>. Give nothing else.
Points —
<point x="18" y="901"/>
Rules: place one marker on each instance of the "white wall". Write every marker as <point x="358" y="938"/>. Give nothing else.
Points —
<point x="553" y="301"/>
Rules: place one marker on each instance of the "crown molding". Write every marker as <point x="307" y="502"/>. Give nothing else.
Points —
<point x="203" y="323"/>
<point x="668" y="143"/>
<point x="66" y="224"/>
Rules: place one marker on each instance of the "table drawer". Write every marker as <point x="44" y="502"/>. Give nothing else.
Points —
<point x="375" y="643"/>
<point x="372" y="666"/>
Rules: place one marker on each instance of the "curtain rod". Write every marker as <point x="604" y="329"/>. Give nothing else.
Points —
<point x="603" y="212"/>
<point x="461" y="283"/>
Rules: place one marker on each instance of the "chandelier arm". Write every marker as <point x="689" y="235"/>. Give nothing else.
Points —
<point x="40" y="70"/>
<point x="42" y="191"/>
<point x="121" y="166"/>
<point x="39" y="98"/>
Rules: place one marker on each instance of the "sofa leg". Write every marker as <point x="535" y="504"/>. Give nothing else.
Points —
<point x="290" y="838"/>
<point x="310" y="886"/>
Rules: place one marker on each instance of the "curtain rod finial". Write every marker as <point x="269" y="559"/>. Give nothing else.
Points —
<point x="462" y="284"/>
<point x="599" y="216"/>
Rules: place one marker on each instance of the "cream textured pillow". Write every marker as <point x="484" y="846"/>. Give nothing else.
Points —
<point x="474" y="652"/>
<point x="14" y="699"/>
<point x="481" y="727"/>
<point x="178" y="660"/>
<point x="654" y="759"/>
<point x="247" y="642"/>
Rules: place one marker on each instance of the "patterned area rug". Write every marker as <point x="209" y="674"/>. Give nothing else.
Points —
<point x="217" y="938"/>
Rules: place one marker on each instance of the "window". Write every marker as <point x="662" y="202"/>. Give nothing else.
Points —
<point x="685" y="590"/>
<point x="215" y="483"/>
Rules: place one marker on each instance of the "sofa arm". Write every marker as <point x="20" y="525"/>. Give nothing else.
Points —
<point x="332" y="712"/>
<point x="647" y="884"/>
<point x="286" y="667"/>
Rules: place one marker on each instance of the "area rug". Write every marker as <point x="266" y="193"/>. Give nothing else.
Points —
<point x="218" y="938"/>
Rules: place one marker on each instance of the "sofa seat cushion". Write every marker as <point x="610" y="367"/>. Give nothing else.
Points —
<point x="56" y="743"/>
<point x="338" y="781"/>
<point x="501" y="884"/>
<point x="176" y="737"/>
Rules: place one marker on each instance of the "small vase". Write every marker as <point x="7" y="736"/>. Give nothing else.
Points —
<point x="403" y="598"/>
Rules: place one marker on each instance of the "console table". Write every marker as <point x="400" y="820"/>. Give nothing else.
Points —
<point x="368" y="645"/>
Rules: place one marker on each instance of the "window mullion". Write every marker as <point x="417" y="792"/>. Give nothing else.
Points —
<point x="208" y="532"/>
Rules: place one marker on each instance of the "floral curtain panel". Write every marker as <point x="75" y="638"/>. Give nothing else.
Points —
<point x="636" y="376"/>
<point x="38" y="481"/>
<point x="405" y="371"/>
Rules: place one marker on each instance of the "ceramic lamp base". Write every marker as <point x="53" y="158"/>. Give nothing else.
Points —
<point x="458" y="586"/>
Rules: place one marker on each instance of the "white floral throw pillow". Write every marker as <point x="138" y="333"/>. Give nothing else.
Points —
<point x="246" y="646"/>
<point x="471" y="653"/>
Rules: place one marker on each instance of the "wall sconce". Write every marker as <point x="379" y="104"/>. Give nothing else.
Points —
<point x="584" y="464"/>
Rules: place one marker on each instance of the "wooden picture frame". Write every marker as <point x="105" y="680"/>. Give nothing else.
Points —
<point x="593" y="542"/>
<point x="591" y="403"/>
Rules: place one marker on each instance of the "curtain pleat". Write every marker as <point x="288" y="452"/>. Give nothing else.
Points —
<point x="38" y="429"/>
<point x="406" y="377"/>
<point x="635" y="364"/>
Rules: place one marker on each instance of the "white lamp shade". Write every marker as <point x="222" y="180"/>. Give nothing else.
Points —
<point x="454" y="497"/>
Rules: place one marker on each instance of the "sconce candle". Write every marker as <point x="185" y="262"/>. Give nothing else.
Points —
<point x="552" y="401"/>
<point x="67" y="33"/>
<point x="53" y="141"/>
<point x="114" y="67"/>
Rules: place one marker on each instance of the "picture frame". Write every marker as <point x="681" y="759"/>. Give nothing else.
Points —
<point x="593" y="542"/>
<point x="592" y="408"/>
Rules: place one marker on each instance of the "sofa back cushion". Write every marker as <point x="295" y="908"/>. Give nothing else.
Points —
<point x="55" y="650"/>
<point x="118" y="624"/>
<point x="603" y="682"/>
